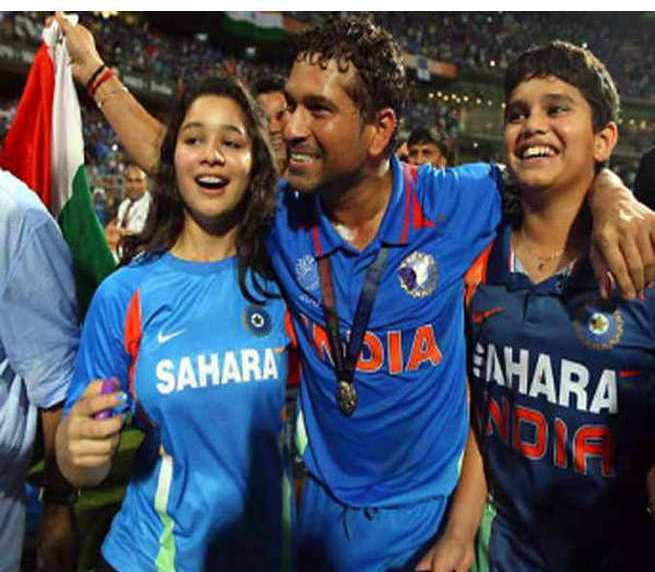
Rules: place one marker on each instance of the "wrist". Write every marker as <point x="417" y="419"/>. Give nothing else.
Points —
<point x="87" y="69"/>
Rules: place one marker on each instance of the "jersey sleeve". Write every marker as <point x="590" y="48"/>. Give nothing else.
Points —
<point x="40" y="330"/>
<point x="466" y="204"/>
<point x="103" y="352"/>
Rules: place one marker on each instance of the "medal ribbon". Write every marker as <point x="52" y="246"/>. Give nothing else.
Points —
<point x="345" y="362"/>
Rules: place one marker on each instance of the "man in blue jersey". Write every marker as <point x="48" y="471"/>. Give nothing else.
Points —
<point x="561" y="380"/>
<point x="38" y="340"/>
<point x="372" y="254"/>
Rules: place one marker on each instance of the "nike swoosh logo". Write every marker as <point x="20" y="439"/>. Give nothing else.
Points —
<point x="479" y="317"/>
<point x="163" y="338"/>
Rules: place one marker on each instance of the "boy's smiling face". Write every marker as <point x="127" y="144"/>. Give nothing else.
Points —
<point x="549" y="135"/>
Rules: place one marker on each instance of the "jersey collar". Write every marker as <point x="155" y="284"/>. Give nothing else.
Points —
<point x="500" y="271"/>
<point x="394" y="227"/>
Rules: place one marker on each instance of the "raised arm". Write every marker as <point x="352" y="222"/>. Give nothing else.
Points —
<point x="140" y="133"/>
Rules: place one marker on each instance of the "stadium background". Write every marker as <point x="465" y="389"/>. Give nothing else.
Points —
<point x="455" y="60"/>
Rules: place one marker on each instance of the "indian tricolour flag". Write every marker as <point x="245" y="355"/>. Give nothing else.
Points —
<point x="44" y="148"/>
<point x="255" y="26"/>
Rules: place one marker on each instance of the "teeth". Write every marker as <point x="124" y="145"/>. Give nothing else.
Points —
<point x="301" y="157"/>
<point x="209" y="180"/>
<point x="537" y="151"/>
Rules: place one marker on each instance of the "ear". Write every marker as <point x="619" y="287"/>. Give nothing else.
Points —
<point x="383" y="127"/>
<point x="605" y="141"/>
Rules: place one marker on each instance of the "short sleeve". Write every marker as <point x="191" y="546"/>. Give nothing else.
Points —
<point x="102" y="353"/>
<point x="466" y="204"/>
<point x="40" y="330"/>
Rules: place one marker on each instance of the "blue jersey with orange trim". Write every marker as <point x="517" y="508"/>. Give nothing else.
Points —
<point x="563" y="388"/>
<point x="208" y="490"/>
<point x="404" y="441"/>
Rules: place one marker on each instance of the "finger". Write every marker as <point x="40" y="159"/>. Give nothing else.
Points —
<point x="645" y="246"/>
<point x="425" y="564"/>
<point x="94" y="388"/>
<point x="91" y="447"/>
<point x="617" y="266"/>
<point x="64" y="24"/>
<point x="633" y="259"/>
<point x="600" y="271"/>
<point x="91" y="461"/>
<point x="89" y="428"/>
<point x="89" y="406"/>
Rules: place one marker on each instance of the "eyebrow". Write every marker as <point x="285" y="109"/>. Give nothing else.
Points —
<point x="311" y="100"/>
<point x="562" y="97"/>
<point x="559" y="97"/>
<point x="226" y="126"/>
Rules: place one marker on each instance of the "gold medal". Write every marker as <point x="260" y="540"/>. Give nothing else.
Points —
<point x="346" y="398"/>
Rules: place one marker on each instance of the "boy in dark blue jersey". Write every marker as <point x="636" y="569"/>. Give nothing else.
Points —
<point x="561" y="380"/>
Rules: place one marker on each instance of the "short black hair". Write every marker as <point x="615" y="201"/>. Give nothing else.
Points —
<point x="575" y="65"/>
<point x="422" y="135"/>
<point x="267" y="84"/>
<point x="372" y="50"/>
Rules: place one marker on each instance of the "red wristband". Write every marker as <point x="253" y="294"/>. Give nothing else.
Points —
<point x="104" y="76"/>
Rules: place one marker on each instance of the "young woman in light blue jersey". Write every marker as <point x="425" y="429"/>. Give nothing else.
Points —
<point x="192" y="328"/>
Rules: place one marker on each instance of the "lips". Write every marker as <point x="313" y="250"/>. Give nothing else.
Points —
<point x="535" y="151"/>
<point x="298" y="157"/>
<point x="211" y="182"/>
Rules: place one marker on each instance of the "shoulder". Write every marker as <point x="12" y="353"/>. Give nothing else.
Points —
<point x="469" y="175"/>
<point x="19" y="205"/>
<point x="120" y="286"/>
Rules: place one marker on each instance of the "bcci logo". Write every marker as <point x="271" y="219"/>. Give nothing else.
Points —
<point x="307" y="272"/>
<point x="257" y="320"/>
<point x="418" y="274"/>
<point x="597" y="326"/>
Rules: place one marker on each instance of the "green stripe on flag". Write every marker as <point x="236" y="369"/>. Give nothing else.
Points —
<point x="255" y="26"/>
<point x="92" y="258"/>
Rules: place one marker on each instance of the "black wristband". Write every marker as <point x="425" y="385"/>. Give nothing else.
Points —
<point x="89" y="84"/>
<point x="66" y="497"/>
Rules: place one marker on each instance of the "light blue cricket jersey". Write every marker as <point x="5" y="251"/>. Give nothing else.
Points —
<point x="404" y="441"/>
<point x="208" y="368"/>
<point x="38" y="339"/>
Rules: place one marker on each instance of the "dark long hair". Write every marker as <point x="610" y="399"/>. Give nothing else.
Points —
<point x="166" y="216"/>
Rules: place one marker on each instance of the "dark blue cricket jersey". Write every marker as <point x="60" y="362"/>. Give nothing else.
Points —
<point x="563" y="390"/>
<point x="404" y="442"/>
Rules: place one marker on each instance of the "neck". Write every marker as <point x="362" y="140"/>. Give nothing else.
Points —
<point x="359" y="205"/>
<point x="196" y="244"/>
<point x="554" y="220"/>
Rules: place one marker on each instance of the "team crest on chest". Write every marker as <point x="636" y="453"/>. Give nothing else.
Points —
<point x="307" y="272"/>
<point x="257" y="321"/>
<point x="597" y="326"/>
<point x="418" y="274"/>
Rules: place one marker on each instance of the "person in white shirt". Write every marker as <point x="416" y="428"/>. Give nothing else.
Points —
<point x="133" y="210"/>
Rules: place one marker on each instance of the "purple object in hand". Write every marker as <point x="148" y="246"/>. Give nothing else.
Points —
<point x="109" y="385"/>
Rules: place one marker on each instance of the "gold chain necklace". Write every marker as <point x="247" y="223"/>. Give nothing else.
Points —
<point x="541" y="260"/>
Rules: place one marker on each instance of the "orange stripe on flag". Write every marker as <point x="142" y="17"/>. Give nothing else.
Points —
<point x="27" y="148"/>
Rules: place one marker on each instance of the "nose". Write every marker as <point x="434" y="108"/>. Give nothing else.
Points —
<point x="213" y="154"/>
<point x="276" y="121"/>
<point x="535" y="122"/>
<point x="296" y="126"/>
